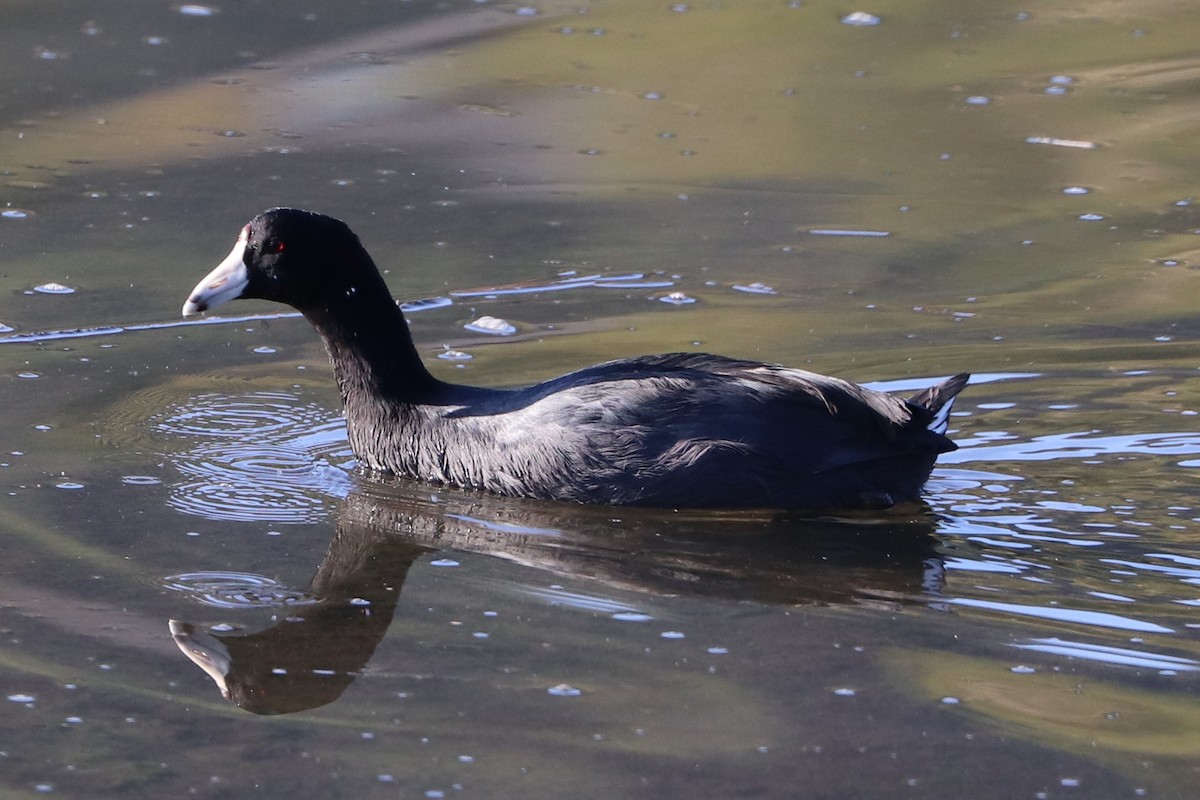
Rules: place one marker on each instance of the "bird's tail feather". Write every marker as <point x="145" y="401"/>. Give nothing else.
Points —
<point x="939" y="400"/>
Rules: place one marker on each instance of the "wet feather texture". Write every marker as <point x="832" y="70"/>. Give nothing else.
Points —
<point x="683" y="430"/>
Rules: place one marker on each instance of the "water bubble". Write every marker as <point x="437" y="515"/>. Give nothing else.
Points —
<point x="677" y="299"/>
<point x="425" y="304"/>
<point x="977" y="100"/>
<point x="454" y="355"/>
<point x="444" y="562"/>
<point x="1055" y="90"/>
<point x="754" y="288"/>
<point x="680" y="8"/>
<point x="717" y="650"/>
<point x="53" y="288"/>
<point x="68" y="485"/>
<point x="861" y="19"/>
<point x="29" y="376"/>
<point x="631" y="616"/>
<point x="673" y="635"/>
<point x="491" y="325"/>
<point x="1062" y="80"/>
<point x="950" y="701"/>
<point x="652" y="96"/>
<point x="564" y="690"/>
<point x="845" y="692"/>
<point x="194" y="10"/>
<point x="15" y="213"/>
<point x="866" y="234"/>
<point x="21" y="698"/>
<point x="265" y="350"/>
<point x="155" y="41"/>
<point x="526" y="11"/>
<point x="1023" y="669"/>
<point x="1057" y="142"/>
<point x="1092" y="217"/>
<point x="1077" y="190"/>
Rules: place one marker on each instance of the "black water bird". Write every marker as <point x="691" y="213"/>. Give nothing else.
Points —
<point x="681" y="430"/>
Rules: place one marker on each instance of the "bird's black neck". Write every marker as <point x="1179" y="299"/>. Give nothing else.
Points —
<point x="371" y="349"/>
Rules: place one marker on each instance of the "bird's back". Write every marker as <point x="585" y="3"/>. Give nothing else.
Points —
<point x="691" y="430"/>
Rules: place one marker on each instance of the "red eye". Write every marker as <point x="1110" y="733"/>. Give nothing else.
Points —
<point x="273" y="247"/>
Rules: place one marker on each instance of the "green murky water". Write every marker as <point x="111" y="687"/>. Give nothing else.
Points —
<point x="991" y="187"/>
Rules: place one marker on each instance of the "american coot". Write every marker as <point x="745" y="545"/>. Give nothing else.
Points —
<point x="682" y="430"/>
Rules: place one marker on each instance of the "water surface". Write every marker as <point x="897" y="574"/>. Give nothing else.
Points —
<point x="960" y="186"/>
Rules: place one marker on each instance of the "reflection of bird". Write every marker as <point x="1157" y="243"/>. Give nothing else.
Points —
<point x="309" y="657"/>
<point x="314" y="652"/>
<point x="679" y="430"/>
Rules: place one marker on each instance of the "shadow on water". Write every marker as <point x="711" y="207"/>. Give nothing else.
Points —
<point x="325" y="635"/>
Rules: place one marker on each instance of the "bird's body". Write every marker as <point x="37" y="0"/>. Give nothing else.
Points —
<point x="680" y="430"/>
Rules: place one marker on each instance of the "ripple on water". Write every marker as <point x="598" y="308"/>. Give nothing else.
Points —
<point x="258" y="415"/>
<point x="567" y="281"/>
<point x="236" y="590"/>
<point x="140" y="480"/>
<point x="1071" y="615"/>
<point x="262" y="457"/>
<point x="425" y="304"/>
<point x="250" y="482"/>
<point x="1120" y="656"/>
